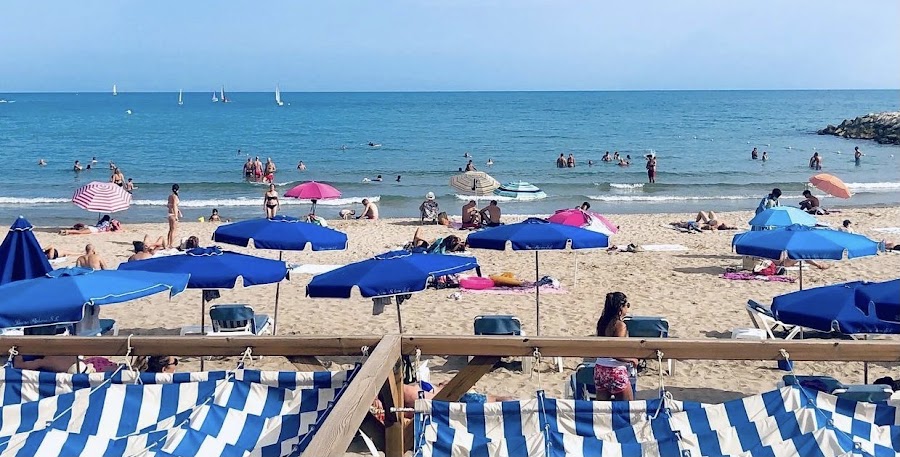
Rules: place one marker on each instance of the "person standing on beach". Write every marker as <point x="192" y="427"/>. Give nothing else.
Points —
<point x="174" y="214"/>
<point x="857" y="154"/>
<point x="270" y="201"/>
<point x="651" y="168"/>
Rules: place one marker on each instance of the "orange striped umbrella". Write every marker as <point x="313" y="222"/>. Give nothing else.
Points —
<point x="831" y="185"/>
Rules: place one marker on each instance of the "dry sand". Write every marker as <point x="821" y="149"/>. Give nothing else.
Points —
<point x="685" y="287"/>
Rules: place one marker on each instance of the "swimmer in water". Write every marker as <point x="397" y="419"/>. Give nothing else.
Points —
<point x="765" y="156"/>
<point x="301" y="166"/>
<point x="466" y="155"/>
<point x="378" y="178"/>
<point x="343" y="147"/>
<point x="93" y="160"/>
<point x="42" y="162"/>
<point x="365" y="180"/>
<point x="490" y="162"/>
<point x="77" y="167"/>
<point x="398" y="178"/>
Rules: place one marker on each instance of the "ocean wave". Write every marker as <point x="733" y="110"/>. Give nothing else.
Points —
<point x="245" y="201"/>
<point x="14" y="201"/>
<point x="873" y="186"/>
<point x="499" y="198"/>
<point x="626" y="186"/>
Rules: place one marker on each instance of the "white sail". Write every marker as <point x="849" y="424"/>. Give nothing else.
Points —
<point x="180" y="101"/>
<point x="114" y="90"/>
<point x="214" y="98"/>
<point x="278" y="96"/>
<point x="222" y="96"/>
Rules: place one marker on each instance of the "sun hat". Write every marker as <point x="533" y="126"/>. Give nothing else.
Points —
<point x="429" y="196"/>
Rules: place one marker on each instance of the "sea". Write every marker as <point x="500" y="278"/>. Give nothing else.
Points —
<point x="702" y="141"/>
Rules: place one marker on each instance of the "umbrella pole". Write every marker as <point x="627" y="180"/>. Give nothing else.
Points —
<point x="202" y="323"/>
<point x="399" y="316"/>
<point x="277" y="294"/>
<point x="575" y="256"/>
<point x="801" y="275"/>
<point x="537" y="293"/>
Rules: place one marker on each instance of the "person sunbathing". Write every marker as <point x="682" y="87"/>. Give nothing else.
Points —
<point x="103" y="225"/>
<point x="791" y="263"/>
<point x="450" y="243"/>
<point x="52" y="253"/>
<point x="705" y="221"/>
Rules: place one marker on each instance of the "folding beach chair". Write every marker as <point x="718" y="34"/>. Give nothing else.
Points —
<point x="763" y="319"/>
<point x="649" y="327"/>
<point x="232" y="320"/>
<point x="822" y="383"/>
<point x="92" y="325"/>
<point x="429" y="211"/>
<point x="581" y="383"/>
<point x="502" y="325"/>
<point x="871" y="393"/>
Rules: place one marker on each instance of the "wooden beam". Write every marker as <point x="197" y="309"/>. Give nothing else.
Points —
<point x="466" y="378"/>
<point x="337" y="431"/>
<point x="672" y="348"/>
<point x="392" y="393"/>
<point x="190" y="345"/>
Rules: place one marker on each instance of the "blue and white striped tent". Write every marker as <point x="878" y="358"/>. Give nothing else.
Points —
<point x="241" y="412"/>
<point x="788" y="422"/>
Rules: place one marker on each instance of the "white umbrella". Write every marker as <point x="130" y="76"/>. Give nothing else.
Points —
<point x="475" y="183"/>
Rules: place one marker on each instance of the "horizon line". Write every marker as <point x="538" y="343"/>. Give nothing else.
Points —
<point x="412" y="91"/>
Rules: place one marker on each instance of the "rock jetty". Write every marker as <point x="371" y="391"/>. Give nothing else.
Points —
<point x="881" y="127"/>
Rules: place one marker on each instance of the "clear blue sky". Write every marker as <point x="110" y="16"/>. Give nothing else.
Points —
<point x="87" y="45"/>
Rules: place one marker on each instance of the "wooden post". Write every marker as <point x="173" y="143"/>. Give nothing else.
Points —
<point x="395" y="445"/>
<point x="338" y="430"/>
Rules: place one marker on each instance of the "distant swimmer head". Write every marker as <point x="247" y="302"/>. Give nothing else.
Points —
<point x="128" y="111"/>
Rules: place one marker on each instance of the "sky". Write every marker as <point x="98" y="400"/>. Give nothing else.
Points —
<point x="446" y="45"/>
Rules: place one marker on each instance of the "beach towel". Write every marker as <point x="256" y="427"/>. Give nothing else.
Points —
<point x="520" y="290"/>
<point x="745" y="276"/>
<point x="664" y="247"/>
<point x="894" y="230"/>
<point x="313" y="269"/>
<point x="59" y="260"/>
<point x="165" y="252"/>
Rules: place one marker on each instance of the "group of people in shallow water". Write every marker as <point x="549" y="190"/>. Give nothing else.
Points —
<point x="255" y="170"/>
<point x="815" y="161"/>
<point x="623" y="161"/>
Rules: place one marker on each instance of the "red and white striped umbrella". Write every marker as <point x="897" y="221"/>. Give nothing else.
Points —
<point x="102" y="197"/>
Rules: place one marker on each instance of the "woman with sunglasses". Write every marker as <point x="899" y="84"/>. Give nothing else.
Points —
<point x="611" y="374"/>
<point x="157" y="364"/>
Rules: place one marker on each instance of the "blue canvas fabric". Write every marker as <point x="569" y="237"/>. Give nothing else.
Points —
<point x="21" y="256"/>
<point x="782" y="216"/>
<point x="282" y="233"/>
<point x="213" y="268"/>
<point x="837" y="308"/>
<point x="60" y="296"/>
<point x="537" y="234"/>
<point x="799" y="242"/>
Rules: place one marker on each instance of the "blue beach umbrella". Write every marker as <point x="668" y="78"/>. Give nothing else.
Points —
<point x="60" y="296"/>
<point x="212" y="268"/>
<point x="836" y="308"/>
<point x="389" y="274"/>
<point x="284" y="234"/>
<point x="783" y="216"/>
<point x="21" y="256"/>
<point x="881" y="299"/>
<point x="799" y="242"/>
<point x="536" y="235"/>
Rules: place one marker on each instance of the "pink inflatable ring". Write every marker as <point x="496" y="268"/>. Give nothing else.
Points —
<point x="476" y="283"/>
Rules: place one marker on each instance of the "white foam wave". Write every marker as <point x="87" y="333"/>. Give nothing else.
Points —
<point x="245" y="201"/>
<point x="500" y="198"/>
<point x="13" y="201"/>
<point x="626" y="186"/>
<point x="873" y="186"/>
<point x="666" y="198"/>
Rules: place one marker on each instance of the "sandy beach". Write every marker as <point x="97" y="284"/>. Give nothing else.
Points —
<point x="683" y="286"/>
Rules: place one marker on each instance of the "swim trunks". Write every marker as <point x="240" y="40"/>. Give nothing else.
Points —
<point x="611" y="379"/>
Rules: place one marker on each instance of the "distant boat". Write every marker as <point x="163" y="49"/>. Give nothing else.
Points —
<point x="214" y="98"/>
<point x="278" y="96"/>
<point x="115" y="92"/>
<point x="222" y="97"/>
<point x="180" y="101"/>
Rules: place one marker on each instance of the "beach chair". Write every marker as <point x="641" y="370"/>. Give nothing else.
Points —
<point x="233" y="320"/>
<point x="429" y="210"/>
<point x="823" y="383"/>
<point x="763" y="319"/>
<point x="47" y="330"/>
<point x="871" y="393"/>
<point x="581" y="383"/>
<point x="649" y="327"/>
<point x="92" y="325"/>
<point x="501" y="325"/>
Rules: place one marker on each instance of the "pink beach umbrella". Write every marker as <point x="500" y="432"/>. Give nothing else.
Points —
<point x="314" y="191"/>
<point x="102" y="197"/>
<point x="584" y="219"/>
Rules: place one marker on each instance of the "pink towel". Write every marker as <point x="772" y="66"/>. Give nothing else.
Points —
<point x="521" y="290"/>
<point x="752" y="277"/>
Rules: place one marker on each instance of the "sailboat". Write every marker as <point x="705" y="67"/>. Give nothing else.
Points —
<point x="222" y="97"/>
<point x="278" y="96"/>
<point x="214" y="98"/>
<point x="180" y="101"/>
<point x="114" y="90"/>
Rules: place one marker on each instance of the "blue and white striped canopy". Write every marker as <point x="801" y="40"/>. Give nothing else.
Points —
<point x="787" y="422"/>
<point x="243" y="412"/>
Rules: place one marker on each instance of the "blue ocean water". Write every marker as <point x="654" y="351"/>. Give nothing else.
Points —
<point x="702" y="141"/>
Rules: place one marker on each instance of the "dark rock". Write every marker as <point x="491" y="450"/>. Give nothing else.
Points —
<point x="884" y="128"/>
